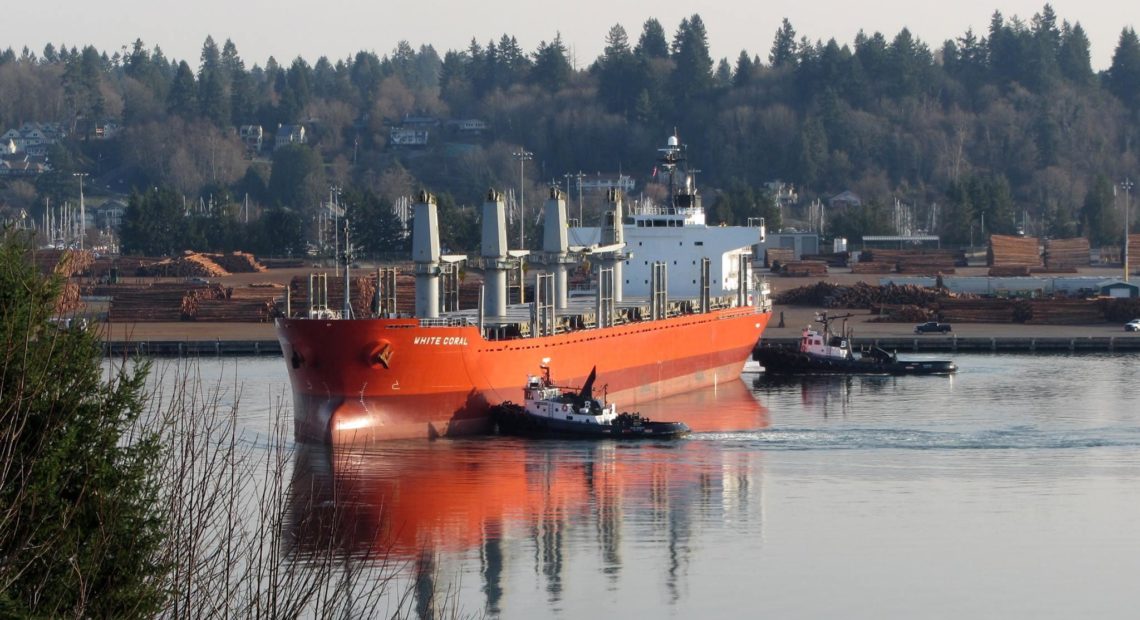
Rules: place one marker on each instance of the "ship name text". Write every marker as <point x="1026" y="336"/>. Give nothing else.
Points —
<point x="441" y="341"/>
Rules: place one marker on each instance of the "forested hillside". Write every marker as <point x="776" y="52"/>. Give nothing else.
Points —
<point x="1011" y="125"/>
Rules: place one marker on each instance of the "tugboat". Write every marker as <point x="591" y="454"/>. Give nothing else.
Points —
<point x="828" y="353"/>
<point x="553" y="411"/>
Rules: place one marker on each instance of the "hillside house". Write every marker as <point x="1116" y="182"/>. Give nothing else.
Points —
<point x="252" y="137"/>
<point x="289" y="134"/>
<point x="845" y="200"/>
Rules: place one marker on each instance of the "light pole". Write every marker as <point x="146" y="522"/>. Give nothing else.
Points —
<point x="522" y="155"/>
<point x="82" y="208"/>
<point x="1126" y="185"/>
<point x="334" y="193"/>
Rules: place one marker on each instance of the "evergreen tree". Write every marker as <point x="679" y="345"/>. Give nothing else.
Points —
<point x="375" y="226"/>
<point x="723" y="76"/>
<point x="742" y="73"/>
<point x="1074" y="56"/>
<point x="958" y="217"/>
<point x="784" y="51"/>
<point x="81" y="528"/>
<point x="551" y="69"/>
<point x="1123" y="79"/>
<point x="652" y="43"/>
<point x="618" y="82"/>
<point x="82" y="80"/>
<point x="154" y="224"/>
<point x="1098" y="215"/>
<point x="282" y="233"/>
<point x="182" y="100"/>
<point x="692" y="75"/>
<point x="297" y="178"/>
<point x="50" y="56"/>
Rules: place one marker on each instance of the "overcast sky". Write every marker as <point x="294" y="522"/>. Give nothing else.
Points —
<point x="286" y="29"/>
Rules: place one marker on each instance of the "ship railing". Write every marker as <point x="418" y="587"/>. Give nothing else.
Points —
<point x="447" y="322"/>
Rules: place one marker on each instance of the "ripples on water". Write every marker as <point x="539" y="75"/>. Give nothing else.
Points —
<point x="1000" y="491"/>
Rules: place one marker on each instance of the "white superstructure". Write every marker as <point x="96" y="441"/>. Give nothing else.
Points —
<point x="676" y="234"/>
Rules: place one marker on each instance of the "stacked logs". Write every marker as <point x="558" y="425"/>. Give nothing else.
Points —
<point x="872" y="267"/>
<point x="282" y="263"/>
<point x="1065" y="254"/>
<point x="979" y="310"/>
<point x="1133" y="252"/>
<point x="833" y="259"/>
<point x="237" y="262"/>
<point x="775" y="257"/>
<point x="858" y="295"/>
<point x="156" y="303"/>
<point x="803" y="269"/>
<point x="66" y="263"/>
<point x="1121" y="309"/>
<point x="1065" y="311"/>
<point x="190" y="265"/>
<point x="239" y="305"/>
<point x="911" y="261"/>
<point x="1007" y="251"/>
<point x="902" y="313"/>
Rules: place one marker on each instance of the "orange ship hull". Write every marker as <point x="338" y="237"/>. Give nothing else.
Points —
<point x="379" y="379"/>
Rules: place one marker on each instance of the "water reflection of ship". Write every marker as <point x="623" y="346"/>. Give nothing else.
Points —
<point x="727" y="407"/>
<point x="828" y="395"/>
<point x="429" y="508"/>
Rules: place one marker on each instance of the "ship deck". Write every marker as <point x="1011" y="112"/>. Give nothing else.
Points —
<point x="580" y="313"/>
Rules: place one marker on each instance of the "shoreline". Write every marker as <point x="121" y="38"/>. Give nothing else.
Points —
<point x="211" y="338"/>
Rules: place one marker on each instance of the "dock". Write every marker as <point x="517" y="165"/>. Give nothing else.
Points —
<point x="992" y="344"/>
<point x="924" y="344"/>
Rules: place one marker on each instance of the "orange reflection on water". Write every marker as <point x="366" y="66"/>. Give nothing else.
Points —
<point x="405" y="498"/>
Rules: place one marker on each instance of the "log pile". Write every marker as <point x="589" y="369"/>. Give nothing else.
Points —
<point x="833" y="259"/>
<point x="1133" y="252"/>
<point x="237" y="262"/>
<point x="775" y="257"/>
<point x="1121" y="309"/>
<point x="930" y="259"/>
<point x="1009" y="271"/>
<point x="1006" y="251"/>
<point x="803" y="269"/>
<point x="901" y="313"/>
<point x="282" y="263"/>
<point x="1064" y="254"/>
<point x="66" y="263"/>
<point x="239" y="305"/>
<point x="980" y="310"/>
<point x="924" y="269"/>
<point x="189" y="265"/>
<point x="858" y="295"/>
<point x="160" y="302"/>
<point x="1065" y="311"/>
<point x="872" y="267"/>
<point x="128" y="266"/>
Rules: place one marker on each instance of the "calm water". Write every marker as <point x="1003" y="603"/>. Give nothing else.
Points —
<point x="1011" y="489"/>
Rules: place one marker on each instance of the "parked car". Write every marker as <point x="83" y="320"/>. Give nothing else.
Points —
<point x="932" y="327"/>
<point x="1132" y="326"/>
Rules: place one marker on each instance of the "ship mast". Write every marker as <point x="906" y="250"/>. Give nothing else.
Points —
<point x="346" y="312"/>
<point x="671" y="157"/>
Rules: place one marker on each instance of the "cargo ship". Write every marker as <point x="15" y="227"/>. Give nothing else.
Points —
<point x="673" y="305"/>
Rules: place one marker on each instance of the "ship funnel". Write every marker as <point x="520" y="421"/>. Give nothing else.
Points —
<point x="613" y="233"/>
<point x="555" y="245"/>
<point x="493" y="250"/>
<point x="425" y="254"/>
